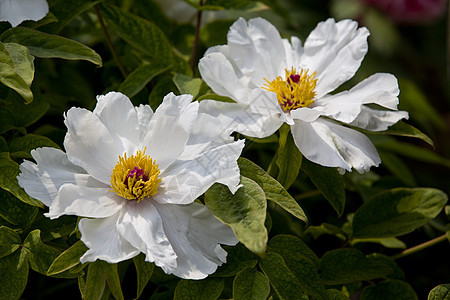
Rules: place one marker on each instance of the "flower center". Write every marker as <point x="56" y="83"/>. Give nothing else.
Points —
<point x="135" y="177"/>
<point x="296" y="90"/>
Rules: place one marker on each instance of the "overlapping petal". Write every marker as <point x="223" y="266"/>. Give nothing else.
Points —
<point x="195" y="235"/>
<point x="192" y="150"/>
<point x="256" y="58"/>
<point x="51" y="171"/>
<point x="330" y="144"/>
<point x="169" y="129"/>
<point x="335" y="51"/>
<point x="104" y="241"/>
<point x="89" y="144"/>
<point x="141" y="225"/>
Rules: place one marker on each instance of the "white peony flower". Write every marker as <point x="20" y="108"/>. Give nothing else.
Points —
<point x="275" y="81"/>
<point x="134" y="175"/>
<point x="17" y="11"/>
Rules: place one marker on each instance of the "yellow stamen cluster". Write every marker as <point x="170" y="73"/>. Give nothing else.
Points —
<point x="135" y="177"/>
<point x="296" y="90"/>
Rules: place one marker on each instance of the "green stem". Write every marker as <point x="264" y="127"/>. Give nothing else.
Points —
<point x="110" y="44"/>
<point x="420" y="247"/>
<point x="308" y="194"/>
<point x="197" y="34"/>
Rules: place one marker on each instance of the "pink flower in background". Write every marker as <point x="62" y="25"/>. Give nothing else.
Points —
<point x="411" y="11"/>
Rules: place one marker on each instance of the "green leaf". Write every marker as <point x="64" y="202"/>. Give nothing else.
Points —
<point x="403" y="129"/>
<point x="161" y="89"/>
<point x="329" y="182"/>
<point x="291" y="247"/>
<point x="397" y="167"/>
<point x="250" y="284"/>
<point x="15" y="113"/>
<point x="45" y="45"/>
<point x="15" y="211"/>
<point x="14" y="275"/>
<point x="144" y="272"/>
<point x="23" y="61"/>
<point x="56" y="228"/>
<point x="65" y="12"/>
<point x="273" y="189"/>
<point x="206" y="289"/>
<point x="343" y="266"/>
<point x="390" y="242"/>
<point x="139" y="78"/>
<point x="289" y="158"/>
<point x="301" y="261"/>
<point x="397" y="211"/>
<point x="333" y="294"/>
<point x="281" y="278"/>
<point x="9" y="241"/>
<point x="10" y="77"/>
<point x="8" y="180"/>
<point x="238" y="259"/>
<point x="187" y="85"/>
<point x="244" y="212"/>
<point x="418" y="106"/>
<point x="68" y="259"/>
<point x="22" y="146"/>
<point x="100" y="272"/>
<point x="96" y="280"/>
<point x="413" y="151"/>
<point x="389" y="290"/>
<point x="39" y="255"/>
<point x="141" y="34"/>
<point x="441" y="292"/>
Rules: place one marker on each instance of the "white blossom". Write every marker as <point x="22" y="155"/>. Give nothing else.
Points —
<point x="276" y="81"/>
<point x="133" y="175"/>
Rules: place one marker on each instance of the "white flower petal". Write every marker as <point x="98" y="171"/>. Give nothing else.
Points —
<point x="377" y="120"/>
<point x="257" y="49"/>
<point x="119" y="116"/>
<point x="195" y="235"/>
<point x="169" y="129"/>
<point x="141" y="224"/>
<point x="332" y="145"/>
<point x="334" y="51"/>
<point x="43" y="180"/>
<point x="184" y="181"/>
<point x="208" y="132"/>
<point x="17" y="11"/>
<point x="85" y="201"/>
<point x="294" y="51"/>
<point x="222" y="77"/>
<point x="144" y="114"/>
<point x="104" y="241"/>
<point x="89" y="144"/>
<point x="240" y="118"/>
<point x="381" y="89"/>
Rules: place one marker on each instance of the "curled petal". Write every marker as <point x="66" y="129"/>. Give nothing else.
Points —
<point x="85" y="201"/>
<point x="257" y="49"/>
<point x="241" y="118"/>
<point x="104" y="241"/>
<point x="119" y="116"/>
<point x="377" y="120"/>
<point x="184" y="181"/>
<point x="89" y="144"/>
<point x="334" y="51"/>
<point x="195" y="235"/>
<point x="332" y="145"/>
<point x="141" y="225"/>
<point x="224" y="78"/>
<point x="169" y="129"/>
<point x="51" y="171"/>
